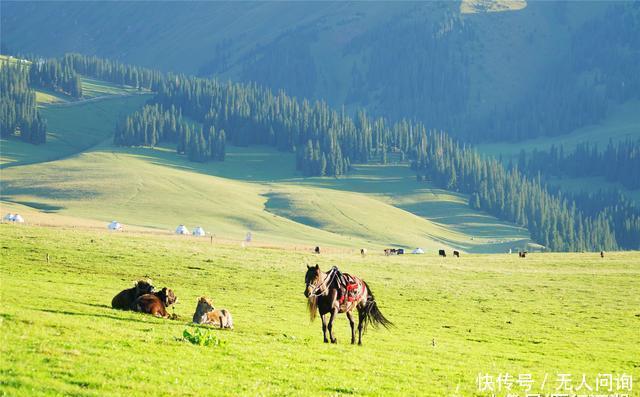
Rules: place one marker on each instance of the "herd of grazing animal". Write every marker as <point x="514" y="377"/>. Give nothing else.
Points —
<point x="144" y="298"/>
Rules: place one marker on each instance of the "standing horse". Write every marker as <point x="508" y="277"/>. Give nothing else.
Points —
<point x="334" y="292"/>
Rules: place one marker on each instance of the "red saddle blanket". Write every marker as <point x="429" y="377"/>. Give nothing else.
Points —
<point x="351" y="288"/>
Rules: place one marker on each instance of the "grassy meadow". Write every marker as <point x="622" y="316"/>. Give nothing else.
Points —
<point x="71" y="129"/>
<point x="455" y="318"/>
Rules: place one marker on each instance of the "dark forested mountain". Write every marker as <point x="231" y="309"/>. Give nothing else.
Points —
<point x="543" y="70"/>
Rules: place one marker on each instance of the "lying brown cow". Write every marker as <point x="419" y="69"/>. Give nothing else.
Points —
<point x="155" y="303"/>
<point x="125" y="298"/>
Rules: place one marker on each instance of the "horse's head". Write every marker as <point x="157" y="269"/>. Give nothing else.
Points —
<point x="311" y="279"/>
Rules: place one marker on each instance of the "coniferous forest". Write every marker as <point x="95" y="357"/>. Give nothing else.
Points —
<point x="56" y="75"/>
<point x="200" y="115"/>
<point x="19" y="115"/>
<point x="619" y="162"/>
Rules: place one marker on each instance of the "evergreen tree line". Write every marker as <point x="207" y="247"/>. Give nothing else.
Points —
<point x="153" y="125"/>
<point x="115" y="72"/>
<point x="56" y="75"/>
<point x="18" y="111"/>
<point x="553" y="220"/>
<point x="620" y="211"/>
<point x="254" y="115"/>
<point x="329" y="141"/>
<point x="617" y="163"/>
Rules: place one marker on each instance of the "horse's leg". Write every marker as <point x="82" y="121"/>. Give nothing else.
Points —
<point x="334" y="311"/>
<point x="353" y="329"/>
<point x="324" y="329"/>
<point x="360" y="324"/>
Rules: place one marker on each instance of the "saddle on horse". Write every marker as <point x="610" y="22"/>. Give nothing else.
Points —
<point x="350" y="288"/>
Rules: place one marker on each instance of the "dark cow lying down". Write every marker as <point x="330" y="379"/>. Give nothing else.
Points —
<point x="442" y="253"/>
<point x="125" y="298"/>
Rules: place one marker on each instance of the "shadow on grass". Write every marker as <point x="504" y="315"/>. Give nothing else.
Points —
<point x="69" y="313"/>
<point x="34" y="204"/>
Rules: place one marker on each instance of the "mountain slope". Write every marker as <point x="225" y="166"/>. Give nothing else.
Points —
<point x="473" y="74"/>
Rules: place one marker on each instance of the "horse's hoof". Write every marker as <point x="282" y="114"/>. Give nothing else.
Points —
<point x="360" y="343"/>
<point x="353" y="342"/>
<point x="334" y="340"/>
<point x="326" y="341"/>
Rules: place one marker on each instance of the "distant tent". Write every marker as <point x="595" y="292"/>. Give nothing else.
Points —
<point x="114" y="225"/>
<point x="199" y="232"/>
<point x="535" y="247"/>
<point x="9" y="217"/>
<point x="182" y="229"/>
<point x="418" y="251"/>
<point x="18" y="218"/>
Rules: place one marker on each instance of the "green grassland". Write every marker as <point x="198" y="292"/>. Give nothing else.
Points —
<point x="454" y="318"/>
<point x="79" y="126"/>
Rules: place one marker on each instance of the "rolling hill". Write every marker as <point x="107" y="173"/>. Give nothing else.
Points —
<point x="80" y="175"/>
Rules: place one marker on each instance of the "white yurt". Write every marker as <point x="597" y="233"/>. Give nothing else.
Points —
<point x="199" y="232"/>
<point x="9" y="217"/>
<point x="18" y="218"/>
<point x="418" y="251"/>
<point x="114" y="225"/>
<point x="182" y="229"/>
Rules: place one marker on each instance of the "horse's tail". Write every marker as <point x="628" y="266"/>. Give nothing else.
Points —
<point x="372" y="314"/>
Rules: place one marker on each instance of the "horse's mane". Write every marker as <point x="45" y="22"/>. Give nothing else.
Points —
<point x="312" y="301"/>
<point x="312" y="305"/>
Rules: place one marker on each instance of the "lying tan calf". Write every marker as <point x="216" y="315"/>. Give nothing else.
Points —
<point x="207" y="314"/>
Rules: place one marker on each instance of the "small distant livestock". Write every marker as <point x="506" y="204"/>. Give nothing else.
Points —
<point x="125" y="298"/>
<point x="363" y="252"/>
<point x="155" y="303"/>
<point x="522" y="254"/>
<point x="390" y="251"/>
<point x="317" y="250"/>
<point x="442" y="253"/>
<point x="456" y="254"/>
<point x="601" y="254"/>
<point x="207" y="314"/>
